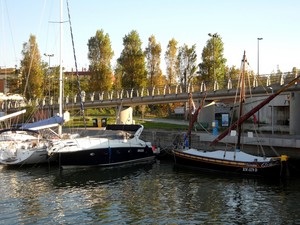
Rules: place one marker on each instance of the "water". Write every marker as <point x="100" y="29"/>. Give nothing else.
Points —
<point x="159" y="193"/>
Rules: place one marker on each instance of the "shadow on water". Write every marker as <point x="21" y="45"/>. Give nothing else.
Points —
<point x="94" y="176"/>
<point x="225" y="177"/>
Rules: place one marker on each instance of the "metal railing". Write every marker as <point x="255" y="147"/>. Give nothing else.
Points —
<point x="256" y="81"/>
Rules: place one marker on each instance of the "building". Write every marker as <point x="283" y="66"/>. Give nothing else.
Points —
<point x="5" y="74"/>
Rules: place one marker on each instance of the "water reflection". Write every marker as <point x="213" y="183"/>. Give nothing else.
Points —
<point x="97" y="176"/>
<point x="146" y="194"/>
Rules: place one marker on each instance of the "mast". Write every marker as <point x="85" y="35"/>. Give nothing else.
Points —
<point x="242" y="99"/>
<point x="193" y="118"/>
<point x="60" y="70"/>
<point x="254" y="110"/>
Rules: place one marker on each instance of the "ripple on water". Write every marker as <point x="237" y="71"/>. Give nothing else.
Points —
<point x="155" y="194"/>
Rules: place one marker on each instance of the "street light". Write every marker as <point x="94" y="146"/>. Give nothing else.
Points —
<point x="272" y="112"/>
<point x="258" y="39"/>
<point x="49" y="55"/>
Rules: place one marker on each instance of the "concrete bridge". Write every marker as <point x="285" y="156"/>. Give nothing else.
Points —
<point x="261" y="88"/>
<point x="157" y="95"/>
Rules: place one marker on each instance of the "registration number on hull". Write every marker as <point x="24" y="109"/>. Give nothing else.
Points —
<point x="252" y="170"/>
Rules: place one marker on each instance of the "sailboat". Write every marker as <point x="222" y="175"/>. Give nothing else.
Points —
<point x="27" y="144"/>
<point x="234" y="160"/>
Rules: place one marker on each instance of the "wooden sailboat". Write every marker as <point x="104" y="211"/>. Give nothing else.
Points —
<point x="235" y="160"/>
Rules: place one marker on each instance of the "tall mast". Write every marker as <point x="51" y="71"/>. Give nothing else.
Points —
<point x="61" y="67"/>
<point x="242" y="99"/>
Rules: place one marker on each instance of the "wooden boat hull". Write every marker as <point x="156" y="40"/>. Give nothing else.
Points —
<point x="273" y="168"/>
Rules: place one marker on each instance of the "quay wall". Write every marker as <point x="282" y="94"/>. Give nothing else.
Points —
<point x="271" y="144"/>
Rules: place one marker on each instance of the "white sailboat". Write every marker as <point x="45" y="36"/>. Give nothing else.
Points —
<point x="27" y="144"/>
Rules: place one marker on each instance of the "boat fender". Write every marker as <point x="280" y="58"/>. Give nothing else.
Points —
<point x="284" y="158"/>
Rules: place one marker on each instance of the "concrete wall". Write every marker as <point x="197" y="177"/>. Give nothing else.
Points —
<point x="294" y="113"/>
<point x="282" y="144"/>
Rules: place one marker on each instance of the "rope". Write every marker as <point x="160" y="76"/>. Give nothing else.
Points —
<point x="76" y="68"/>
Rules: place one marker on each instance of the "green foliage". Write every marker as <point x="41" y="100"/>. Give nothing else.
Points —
<point x="213" y="62"/>
<point x="187" y="58"/>
<point x="13" y="82"/>
<point x="32" y="79"/>
<point x="93" y="112"/>
<point x="172" y="62"/>
<point x="160" y="110"/>
<point x="51" y="87"/>
<point x="153" y="51"/>
<point x="118" y="78"/>
<point x="100" y="54"/>
<point x="157" y="125"/>
<point x="132" y="62"/>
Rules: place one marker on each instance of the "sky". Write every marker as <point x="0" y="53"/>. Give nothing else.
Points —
<point x="239" y="23"/>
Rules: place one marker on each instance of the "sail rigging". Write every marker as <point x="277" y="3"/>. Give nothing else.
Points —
<point x="235" y="160"/>
<point x="254" y="110"/>
<point x="60" y="69"/>
<point x="76" y="68"/>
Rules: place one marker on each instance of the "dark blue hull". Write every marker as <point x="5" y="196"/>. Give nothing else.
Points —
<point x="105" y="156"/>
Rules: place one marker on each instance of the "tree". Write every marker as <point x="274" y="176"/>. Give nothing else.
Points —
<point x="51" y="87"/>
<point x="100" y="54"/>
<point x="118" y="78"/>
<point x="32" y="78"/>
<point x="152" y="53"/>
<point x="132" y="62"/>
<point x="172" y="62"/>
<point x="213" y="62"/>
<point x="13" y="82"/>
<point x="231" y="73"/>
<point x="187" y="58"/>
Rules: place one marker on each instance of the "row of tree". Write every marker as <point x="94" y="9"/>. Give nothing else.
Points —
<point x="135" y="67"/>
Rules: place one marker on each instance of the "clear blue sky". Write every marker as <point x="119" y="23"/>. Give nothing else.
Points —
<point x="238" y="22"/>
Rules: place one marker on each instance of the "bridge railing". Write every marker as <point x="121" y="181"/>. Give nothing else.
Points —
<point x="262" y="80"/>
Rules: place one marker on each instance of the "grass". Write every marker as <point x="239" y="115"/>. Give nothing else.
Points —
<point x="159" y="125"/>
<point x="78" y="122"/>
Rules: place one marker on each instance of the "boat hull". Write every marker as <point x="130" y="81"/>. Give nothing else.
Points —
<point x="25" y="157"/>
<point x="273" y="168"/>
<point x="105" y="156"/>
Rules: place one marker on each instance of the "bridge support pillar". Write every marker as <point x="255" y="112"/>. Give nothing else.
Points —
<point x="294" y="113"/>
<point x="125" y="116"/>
<point x="207" y="114"/>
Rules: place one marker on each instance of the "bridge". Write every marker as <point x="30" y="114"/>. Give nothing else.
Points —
<point x="159" y="95"/>
<point x="287" y="111"/>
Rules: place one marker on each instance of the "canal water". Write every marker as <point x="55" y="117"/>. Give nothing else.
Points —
<point x="159" y="193"/>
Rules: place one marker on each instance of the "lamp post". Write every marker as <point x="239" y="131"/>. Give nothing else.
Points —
<point x="215" y="35"/>
<point x="49" y="55"/>
<point x="258" y="39"/>
<point x="272" y="112"/>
